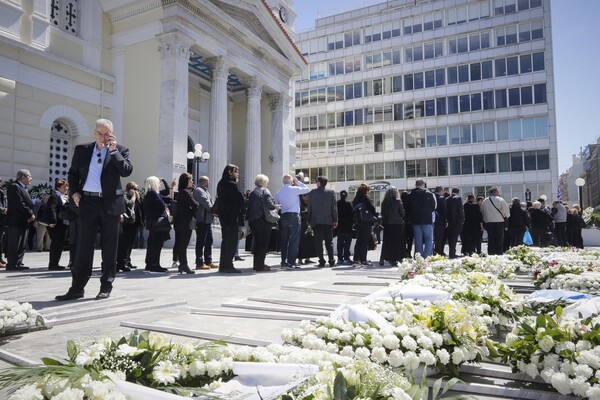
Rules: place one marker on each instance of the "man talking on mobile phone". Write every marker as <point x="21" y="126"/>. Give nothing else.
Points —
<point x="95" y="186"/>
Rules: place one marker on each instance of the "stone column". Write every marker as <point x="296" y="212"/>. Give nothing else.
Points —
<point x="253" y="133"/>
<point x="217" y="130"/>
<point x="280" y="139"/>
<point x="173" y="118"/>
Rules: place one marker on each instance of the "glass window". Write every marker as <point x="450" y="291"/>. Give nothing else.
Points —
<point x="525" y="63"/>
<point x="359" y="172"/>
<point x="418" y="77"/>
<point x="543" y="159"/>
<point x="398" y="112"/>
<point x="523" y="4"/>
<point x="538" y="61"/>
<point x="541" y="126"/>
<point x="476" y="102"/>
<point x="504" y="162"/>
<point x="408" y="82"/>
<point x="409" y="111"/>
<point x="356" y="37"/>
<point x="485" y="40"/>
<point x="387" y="113"/>
<point x="461" y="14"/>
<point x="465" y="103"/>
<point x="540" y="93"/>
<point x="477" y="131"/>
<point x="430" y="108"/>
<point x="516" y="161"/>
<point x="358" y="116"/>
<point x="398" y="140"/>
<point x="486" y="70"/>
<point x="440" y="77"/>
<point x="465" y="134"/>
<point x="417" y="25"/>
<point x="387" y="31"/>
<point x="411" y="169"/>
<point x="347" y="39"/>
<point x="463" y="44"/>
<point x="368" y="88"/>
<point x="451" y="16"/>
<point x="396" y="57"/>
<point x="349" y="63"/>
<point x="442" y="138"/>
<point x="368" y="115"/>
<point x="455" y="166"/>
<point x="466" y="165"/>
<point x="331" y="94"/>
<point x="535" y="3"/>
<point x="397" y="83"/>
<point x="501" y="98"/>
<point x="452" y="104"/>
<point x="408" y="54"/>
<point x="511" y="34"/>
<point x="454" y="133"/>
<point x="387" y="58"/>
<point x="478" y="164"/>
<point x="500" y="67"/>
<point x="452" y="46"/>
<point x="514" y="98"/>
<point x="442" y="166"/>
<point x="388" y="144"/>
<point x="514" y="129"/>
<point x="488" y="129"/>
<point x="528" y="128"/>
<point x="502" y="129"/>
<point x="428" y="22"/>
<point x="357" y="90"/>
<point x="378" y="143"/>
<point x="475" y="71"/>
<point x="368" y="62"/>
<point x="349" y="118"/>
<point x="512" y="65"/>
<point x="437" y="19"/>
<point x="452" y="75"/>
<point x="410" y="139"/>
<point x="526" y="95"/>
<point x="407" y="26"/>
<point x="524" y="33"/>
<point x="339" y="92"/>
<point x="418" y="53"/>
<point x="490" y="163"/>
<point x="500" y="38"/>
<point x="440" y="106"/>
<point x="395" y="28"/>
<point x="488" y="100"/>
<point x="419" y="109"/>
<point x="474" y="42"/>
<point x="399" y="169"/>
<point x="340" y="119"/>
<point x="349" y="91"/>
<point x="439" y="48"/>
<point x="339" y="41"/>
<point x="429" y="78"/>
<point x="322" y="121"/>
<point x="431" y="136"/>
<point x="428" y="51"/>
<point x="377" y="87"/>
<point x="463" y="73"/>
<point x="378" y="111"/>
<point x="537" y="30"/>
<point x="368" y="34"/>
<point x="432" y="167"/>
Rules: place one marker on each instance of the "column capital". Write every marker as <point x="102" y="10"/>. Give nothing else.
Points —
<point x="220" y="68"/>
<point x="254" y="87"/>
<point x="175" y="44"/>
<point x="278" y="101"/>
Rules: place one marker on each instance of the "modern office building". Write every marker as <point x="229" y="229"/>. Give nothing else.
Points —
<point x="169" y="73"/>
<point x="457" y="92"/>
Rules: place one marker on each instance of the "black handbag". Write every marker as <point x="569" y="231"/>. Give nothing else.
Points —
<point x="69" y="212"/>
<point x="161" y="224"/>
<point x="363" y="214"/>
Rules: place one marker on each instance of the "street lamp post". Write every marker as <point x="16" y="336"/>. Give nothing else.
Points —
<point x="198" y="156"/>
<point x="580" y="182"/>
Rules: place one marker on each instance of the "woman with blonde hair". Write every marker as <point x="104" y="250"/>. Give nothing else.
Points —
<point x="155" y="208"/>
<point x="259" y="200"/>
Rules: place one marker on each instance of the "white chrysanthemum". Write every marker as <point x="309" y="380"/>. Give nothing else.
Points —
<point x="113" y="375"/>
<point x="532" y="370"/>
<point x="29" y="392"/>
<point x="561" y="382"/>
<point x="409" y="343"/>
<point x="551" y="361"/>
<point x="125" y="350"/>
<point x="427" y="357"/>
<point x="425" y="342"/>
<point x="411" y="361"/>
<point x="396" y="358"/>
<point x="165" y="372"/>
<point x="457" y="356"/>
<point x="197" y="368"/>
<point x="580" y="386"/>
<point x="584" y="371"/>
<point x="90" y="354"/>
<point x="443" y="356"/>
<point x="379" y="355"/>
<point x="362" y="353"/>
<point x="347" y="351"/>
<point x="391" y="341"/>
<point x="70" y="394"/>
<point x="593" y="393"/>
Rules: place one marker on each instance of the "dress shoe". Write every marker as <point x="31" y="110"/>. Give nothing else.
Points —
<point x="2" y="264"/>
<point x="56" y="268"/>
<point x="123" y="269"/>
<point x="265" y="268"/>
<point x="186" y="269"/>
<point x="156" y="269"/>
<point x="202" y="266"/>
<point x="213" y="265"/>
<point x="103" y="295"/>
<point x="231" y="270"/>
<point x="131" y="266"/>
<point x="69" y="296"/>
<point x="17" y="268"/>
<point x="238" y="258"/>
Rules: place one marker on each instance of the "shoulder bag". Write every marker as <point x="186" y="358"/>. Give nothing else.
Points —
<point x="272" y="216"/>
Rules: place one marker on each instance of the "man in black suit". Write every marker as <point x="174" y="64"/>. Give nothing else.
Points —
<point x="19" y="215"/>
<point x="57" y="228"/>
<point x="2" y="223"/>
<point x="455" y="214"/>
<point x="95" y="184"/>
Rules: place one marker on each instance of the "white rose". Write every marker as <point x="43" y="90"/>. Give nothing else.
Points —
<point x="546" y="343"/>
<point x="531" y="370"/>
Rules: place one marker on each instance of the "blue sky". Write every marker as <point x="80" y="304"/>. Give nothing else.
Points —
<point x="576" y="45"/>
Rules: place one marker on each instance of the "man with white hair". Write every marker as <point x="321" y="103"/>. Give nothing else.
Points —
<point x="289" y="224"/>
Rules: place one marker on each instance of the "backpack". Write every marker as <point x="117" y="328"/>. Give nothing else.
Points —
<point x="362" y="214"/>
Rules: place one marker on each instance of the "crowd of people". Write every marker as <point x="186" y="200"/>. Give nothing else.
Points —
<point x="304" y="221"/>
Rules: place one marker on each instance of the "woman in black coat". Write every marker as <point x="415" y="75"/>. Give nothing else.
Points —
<point x="392" y="213"/>
<point x="363" y="229"/>
<point x="574" y="225"/>
<point x="131" y="220"/>
<point x="471" y="232"/>
<point x="518" y="223"/>
<point x="540" y="224"/>
<point x="154" y="208"/>
<point x="182" y="220"/>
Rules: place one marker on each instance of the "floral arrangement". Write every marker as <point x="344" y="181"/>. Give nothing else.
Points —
<point x="481" y="288"/>
<point x="441" y="336"/>
<point x="499" y="266"/>
<point x="14" y="314"/>
<point x="563" y="350"/>
<point x="543" y="276"/>
<point x="524" y="254"/>
<point x="582" y="283"/>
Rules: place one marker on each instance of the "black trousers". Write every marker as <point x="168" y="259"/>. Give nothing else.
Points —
<point x="261" y="235"/>
<point x="452" y="232"/>
<point x="560" y="230"/>
<point x="17" y="237"/>
<point x="229" y="242"/>
<point x="126" y="239"/>
<point x="495" y="231"/>
<point x="324" y="233"/>
<point x="204" y="242"/>
<point x="363" y="235"/>
<point x="58" y="235"/>
<point x="93" y="216"/>
<point x="182" y="240"/>
<point x="439" y="239"/>
<point x="156" y="240"/>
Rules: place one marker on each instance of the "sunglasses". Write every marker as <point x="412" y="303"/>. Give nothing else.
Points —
<point x="99" y="158"/>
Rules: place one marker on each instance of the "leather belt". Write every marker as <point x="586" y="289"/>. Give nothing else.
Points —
<point x="92" y="194"/>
